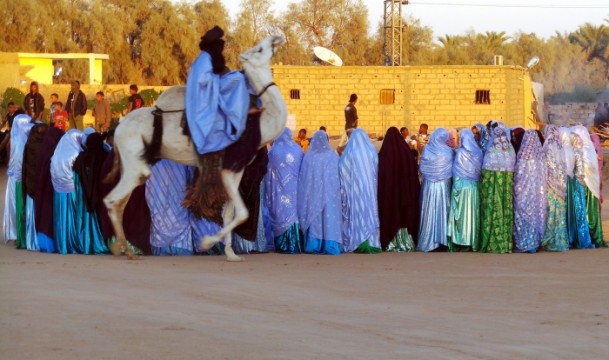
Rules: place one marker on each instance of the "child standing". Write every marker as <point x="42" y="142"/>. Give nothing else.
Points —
<point x="54" y="99"/>
<point x="61" y="116"/>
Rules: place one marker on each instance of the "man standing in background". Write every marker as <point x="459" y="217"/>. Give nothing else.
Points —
<point x="34" y="102"/>
<point x="76" y="106"/>
<point x="101" y="112"/>
<point x="351" y="122"/>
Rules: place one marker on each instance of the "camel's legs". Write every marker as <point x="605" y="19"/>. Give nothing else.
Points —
<point x="115" y="202"/>
<point x="231" y="182"/>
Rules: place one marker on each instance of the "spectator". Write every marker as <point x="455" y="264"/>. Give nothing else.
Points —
<point x="61" y="116"/>
<point x="54" y="99"/>
<point x="101" y="113"/>
<point x="422" y="137"/>
<point x="135" y="100"/>
<point x="76" y="106"/>
<point x="405" y="133"/>
<point x="34" y="102"/>
<point x="13" y="110"/>
<point x="323" y="128"/>
<point x="302" y="140"/>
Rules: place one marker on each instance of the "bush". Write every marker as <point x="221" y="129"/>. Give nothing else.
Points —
<point x="14" y="95"/>
<point x="149" y="96"/>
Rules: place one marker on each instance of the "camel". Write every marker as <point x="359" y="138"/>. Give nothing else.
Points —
<point x="135" y="133"/>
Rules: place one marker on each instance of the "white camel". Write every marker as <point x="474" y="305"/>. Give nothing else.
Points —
<point x="136" y="130"/>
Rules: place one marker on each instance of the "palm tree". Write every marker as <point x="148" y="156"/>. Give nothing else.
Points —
<point x="594" y="41"/>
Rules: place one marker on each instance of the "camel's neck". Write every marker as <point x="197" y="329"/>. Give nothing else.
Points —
<point x="275" y="114"/>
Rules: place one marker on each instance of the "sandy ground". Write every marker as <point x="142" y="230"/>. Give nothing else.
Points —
<point x="387" y="306"/>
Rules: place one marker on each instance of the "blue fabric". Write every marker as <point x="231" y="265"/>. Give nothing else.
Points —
<point x="63" y="158"/>
<point x="216" y="106"/>
<point x="500" y="154"/>
<point x="464" y="217"/>
<point x="358" y="167"/>
<point x="579" y="232"/>
<point x="530" y="202"/>
<point x="46" y="243"/>
<point x="64" y="229"/>
<point x="200" y="228"/>
<point x="85" y="133"/>
<point x="9" y="226"/>
<point x="89" y="238"/>
<point x="165" y="190"/>
<point x="319" y="202"/>
<point x="437" y="159"/>
<point x="170" y="251"/>
<point x="321" y="247"/>
<point x="31" y="239"/>
<point x="19" y="134"/>
<point x="281" y="181"/>
<point x="485" y="136"/>
<point x="468" y="159"/>
<point x="435" y="206"/>
<point x="290" y="242"/>
<point x="266" y="217"/>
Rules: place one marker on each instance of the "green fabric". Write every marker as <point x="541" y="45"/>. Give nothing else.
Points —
<point x="365" y="248"/>
<point x="402" y="242"/>
<point x="497" y="212"/>
<point x="593" y="212"/>
<point x="20" y="215"/>
<point x="464" y="219"/>
<point x="134" y="250"/>
<point x="556" y="237"/>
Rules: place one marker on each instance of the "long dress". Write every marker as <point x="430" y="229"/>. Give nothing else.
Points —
<point x="592" y="181"/>
<point x="31" y="156"/>
<point x="358" y="168"/>
<point x="577" y="219"/>
<point x="285" y="158"/>
<point x="65" y="230"/>
<point x="568" y="157"/>
<point x="436" y="170"/>
<point x="496" y="194"/>
<point x="319" y="203"/>
<point x="398" y="194"/>
<point x="170" y="232"/>
<point x="14" y="212"/>
<point x="556" y="237"/>
<point x="529" y="194"/>
<point x="464" y="220"/>
<point x="596" y="141"/>
<point x="87" y="168"/>
<point x="44" y="191"/>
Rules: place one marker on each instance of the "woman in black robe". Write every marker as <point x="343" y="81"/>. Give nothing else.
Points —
<point x="398" y="194"/>
<point x="30" y="179"/>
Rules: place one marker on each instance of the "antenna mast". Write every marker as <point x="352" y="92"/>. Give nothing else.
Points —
<point x="393" y="27"/>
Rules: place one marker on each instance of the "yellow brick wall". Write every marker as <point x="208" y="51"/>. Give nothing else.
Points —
<point x="436" y="95"/>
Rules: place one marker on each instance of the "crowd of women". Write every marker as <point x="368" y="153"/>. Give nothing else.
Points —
<point x="500" y="190"/>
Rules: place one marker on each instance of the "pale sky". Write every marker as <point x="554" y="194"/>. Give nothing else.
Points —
<point x="543" y="17"/>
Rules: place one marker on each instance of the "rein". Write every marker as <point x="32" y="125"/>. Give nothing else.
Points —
<point x="265" y="89"/>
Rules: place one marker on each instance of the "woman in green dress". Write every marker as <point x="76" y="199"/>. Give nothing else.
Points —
<point x="496" y="193"/>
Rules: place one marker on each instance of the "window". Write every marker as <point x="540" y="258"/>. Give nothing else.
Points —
<point x="483" y="96"/>
<point x="295" y="94"/>
<point x="387" y="96"/>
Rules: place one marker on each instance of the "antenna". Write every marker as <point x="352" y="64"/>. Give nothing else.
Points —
<point x="327" y="55"/>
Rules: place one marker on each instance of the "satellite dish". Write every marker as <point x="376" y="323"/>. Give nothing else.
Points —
<point x="327" y="55"/>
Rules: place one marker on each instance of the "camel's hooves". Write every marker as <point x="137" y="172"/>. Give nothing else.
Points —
<point x="116" y="249"/>
<point x="208" y="242"/>
<point x="133" y="257"/>
<point x="235" y="258"/>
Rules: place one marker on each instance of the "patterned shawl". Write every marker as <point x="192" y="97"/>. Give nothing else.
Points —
<point x="437" y="159"/>
<point x="555" y="164"/>
<point x="281" y="195"/>
<point x="567" y="149"/>
<point x="592" y="178"/>
<point x="358" y="167"/>
<point x="468" y="160"/>
<point x="500" y="155"/>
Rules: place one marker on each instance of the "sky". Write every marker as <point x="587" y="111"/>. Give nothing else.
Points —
<point x="454" y="17"/>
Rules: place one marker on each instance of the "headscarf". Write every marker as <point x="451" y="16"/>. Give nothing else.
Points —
<point x="85" y="133"/>
<point x="398" y="188"/>
<point x="500" y="155"/>
<point x="61" y="163"/>
<point x="437" y="159"/>
<point x="484" y="136"/>
<point x="88" y="167"/>
<point x="31" y="157"/>
<point x="468" y="160"/>
<point x="517" y="135"/>
<point x="530" y="184"/>
<point x="19" y="134"/>
<point x="318" y="182"/>
<point x="567" y="150"/>
<point x="592" y="178"/>
<point x="358" y="167"/>
<point x="281" y="197"/>
<point x="552" y="147"/>
<point x="43" y="199"/>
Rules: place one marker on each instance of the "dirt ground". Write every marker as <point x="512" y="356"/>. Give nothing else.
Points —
<point x="386" y="306"/>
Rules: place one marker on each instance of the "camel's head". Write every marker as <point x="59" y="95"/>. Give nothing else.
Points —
<point x="259" y="56"/>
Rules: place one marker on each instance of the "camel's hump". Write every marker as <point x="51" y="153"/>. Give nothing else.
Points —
<point x="172" y="98"/>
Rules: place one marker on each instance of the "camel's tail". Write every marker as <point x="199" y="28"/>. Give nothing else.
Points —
<point x="116" y="167"/>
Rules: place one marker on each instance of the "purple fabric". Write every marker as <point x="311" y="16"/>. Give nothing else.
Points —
<point x="468" y="160"/>
<point x="500" y="155"/>
<point x="530" y="203"/>
<point x="437" y="159"/>
<point x="285" y="158"/>
<point x="319" y="187"/>
<point x="552" y="147"/>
